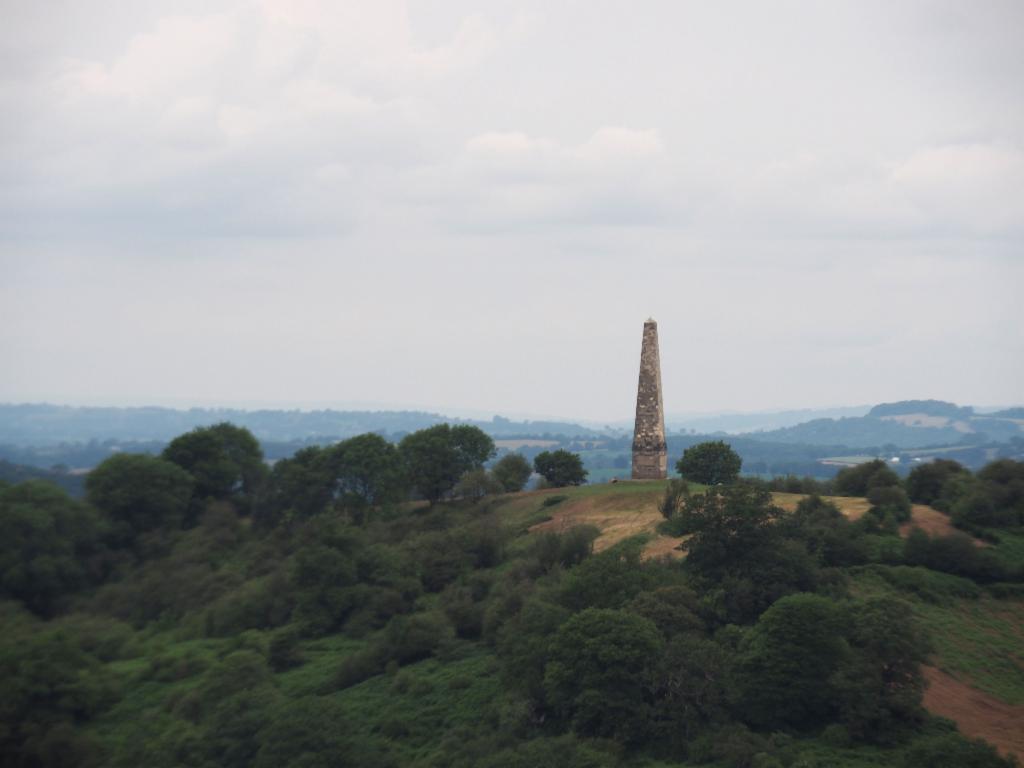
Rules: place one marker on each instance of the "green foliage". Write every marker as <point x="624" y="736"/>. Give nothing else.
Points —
<point x="567" y="549"/>
<point x="300" y="486"/>
<point x="788" y="659"/>
<point x="995" y="497"/>
<point x="435" y="458"/>
<point x="827" y="533"/>
<point x="311" y="732"/>
<point x="889" y="500"/>
<point x="366" y="471"/>
<point x="513" y="471"/>
<point x="598" y="667"/>
<point x="673" y="610"/>
<point x="476" y="484"/>
<point x="550" y="752"/>
<point x="925" y="584"/>
<point x="139" y="493"/>
<point x="956" y="554"/>
<point x="49" y="545"/>
<point x="738" y="552"/>
<point x="879" y="689"/>
<point x="560" y="468"/>
<point x="344" y="630"/>
<point x="676" y="494"/>
<point x="953" y="751"/>
<point x="858" y="480"/>
<point x="926" y="482"/>
<point x="693" y="688"/>
<point x="48" y="686"/>
<point x="710" y="463"/>
<point x="608" y="579"/>
<point x="226" y="462"/>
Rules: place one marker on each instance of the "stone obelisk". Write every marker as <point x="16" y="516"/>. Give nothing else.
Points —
<point x="650" y="454"/>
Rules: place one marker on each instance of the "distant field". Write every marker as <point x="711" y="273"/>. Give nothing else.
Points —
<point x="846" y="461"/>
<point x="513" y="444"/>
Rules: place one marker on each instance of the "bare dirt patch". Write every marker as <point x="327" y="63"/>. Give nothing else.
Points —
<point x="932" y="522"/>
<point x="618" y="516"/>
<point x="976" y="714"/>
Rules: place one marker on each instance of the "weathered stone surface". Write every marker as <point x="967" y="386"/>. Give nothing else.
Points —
<point x="650" y="454"/>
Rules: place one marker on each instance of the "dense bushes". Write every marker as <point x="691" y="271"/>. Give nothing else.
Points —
<point x="50" y="545"/>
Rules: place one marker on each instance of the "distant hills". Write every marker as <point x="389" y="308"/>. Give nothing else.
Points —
<point x="64" y="441"/>
<point x="905" y="424"/>
<point x="45" y="424"/>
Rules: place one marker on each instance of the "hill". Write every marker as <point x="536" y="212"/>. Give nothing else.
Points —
<point x="267" y="625"/>
<point x="907" y="424"/>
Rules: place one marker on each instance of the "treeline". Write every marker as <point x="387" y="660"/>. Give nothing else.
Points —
<point x="175" y="616"/>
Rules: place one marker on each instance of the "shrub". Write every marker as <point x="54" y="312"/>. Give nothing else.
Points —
<point x="890" y="500"/>
<point x="953" y="751"/>
<point x="411" y="638"/>
<point x="512" y="471"/>
<point x="858" y="480"/>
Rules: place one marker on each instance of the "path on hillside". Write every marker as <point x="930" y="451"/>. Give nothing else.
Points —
<point x="976" y="714"/>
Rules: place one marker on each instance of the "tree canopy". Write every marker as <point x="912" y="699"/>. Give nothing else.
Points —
<point x="710" y="463"/>
<point x="560" y="468"/>
<point x="139" y="493"/>
<point x="437" y="457"/>
<point x="513" y="471"/>
<point x="226" y="462"/>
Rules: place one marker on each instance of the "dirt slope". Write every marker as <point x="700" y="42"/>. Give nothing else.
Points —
<point x="977" y="714"/>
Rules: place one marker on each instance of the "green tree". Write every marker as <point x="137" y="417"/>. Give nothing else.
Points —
<point x="560" y="468"/>
<point x="476" y="484"/>
<point x="435" y="458"/>
<point x="49" y="545"/>
<point x="302" y="485"/>
<point x="366" y="472"/>
<point x="737" y="551"/>
<point x="513" y="471"/>
<point x="139" y="493"/>
<point x="226" y="462"/>
<point x="925" y="482"/>
<point x="879" y="689"/>
<point x="49" y="688"/>
<point x="710" y="463"/>
<point x="890" y="500"/>
<point x="600" y="665"/>
<point x="858" y="480"/>
<point x="787" y="660"/>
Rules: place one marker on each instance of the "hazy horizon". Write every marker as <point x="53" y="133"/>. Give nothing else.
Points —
<point x="476" y="206"/>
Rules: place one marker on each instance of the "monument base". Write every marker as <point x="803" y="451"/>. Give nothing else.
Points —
<point x="650" y="466"/>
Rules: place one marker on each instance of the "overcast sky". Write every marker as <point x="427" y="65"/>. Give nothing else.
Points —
<point x="473" y="206"/>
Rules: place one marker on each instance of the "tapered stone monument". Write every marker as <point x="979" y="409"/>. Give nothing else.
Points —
<point x="650" y="454"/>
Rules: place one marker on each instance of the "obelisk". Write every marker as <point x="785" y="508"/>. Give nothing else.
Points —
<point x="650" y="454"/>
